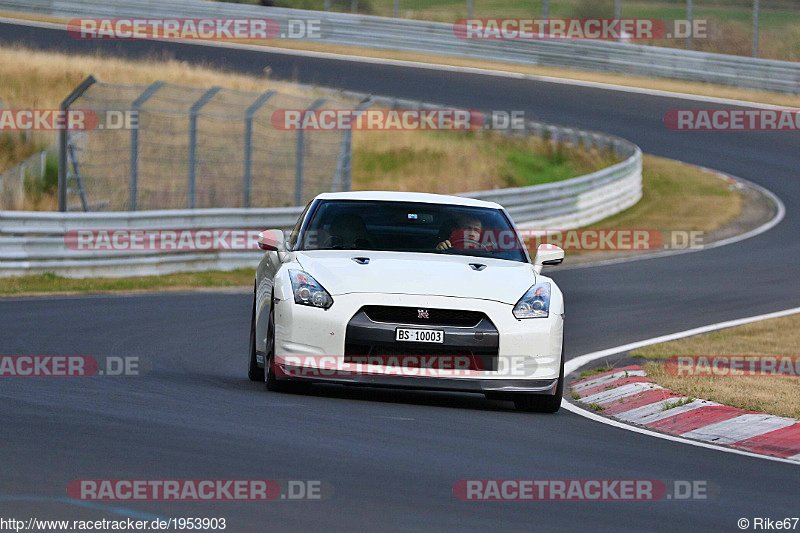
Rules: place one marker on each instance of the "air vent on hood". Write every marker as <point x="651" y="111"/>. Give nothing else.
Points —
<point x="477" y="266"/>
<point x="361" y="260"/>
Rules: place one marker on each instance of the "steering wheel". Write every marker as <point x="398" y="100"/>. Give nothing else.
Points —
<point x="466" y="244"/>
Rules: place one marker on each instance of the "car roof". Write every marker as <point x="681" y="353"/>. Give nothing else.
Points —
<point x="395" y="196"/>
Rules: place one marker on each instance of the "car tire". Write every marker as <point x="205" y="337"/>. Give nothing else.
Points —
<point x="542" y="403"/>
<point x="254" y="372"/>
<point x="273" y="383"/>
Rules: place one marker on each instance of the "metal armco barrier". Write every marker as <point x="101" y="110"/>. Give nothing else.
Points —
<point x="439" y="38"/>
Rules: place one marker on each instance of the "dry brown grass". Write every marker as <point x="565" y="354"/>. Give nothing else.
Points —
<point x="36" y="79"/>
<point x="776" y="395"/>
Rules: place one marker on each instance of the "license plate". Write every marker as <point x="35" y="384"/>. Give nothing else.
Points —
<point x="419" y="335"/>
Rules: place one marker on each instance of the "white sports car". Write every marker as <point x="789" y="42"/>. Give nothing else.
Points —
<point x="408" y="290"/>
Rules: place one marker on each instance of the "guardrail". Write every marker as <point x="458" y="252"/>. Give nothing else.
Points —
<point x="36" y="242"/>
<point x="439" y="38"/>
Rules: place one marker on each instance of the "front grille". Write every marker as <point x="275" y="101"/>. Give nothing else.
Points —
<point x="411" y="315"/>
<point x="399" y="349"/>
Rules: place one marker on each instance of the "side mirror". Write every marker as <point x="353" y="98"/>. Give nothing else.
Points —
<point x="547" y="254"/>
<point x="271" y="240"/>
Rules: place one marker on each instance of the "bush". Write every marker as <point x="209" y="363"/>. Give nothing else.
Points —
<point x="16" y="148"/>
<point x="37" y="189"/>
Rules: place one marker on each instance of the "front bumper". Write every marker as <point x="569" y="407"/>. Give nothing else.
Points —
<point x="517" y="355"/>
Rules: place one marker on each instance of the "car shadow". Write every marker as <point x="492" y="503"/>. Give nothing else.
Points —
<point x="454" y="400"/>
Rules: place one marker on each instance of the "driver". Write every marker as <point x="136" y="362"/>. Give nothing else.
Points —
<point x="467" y="230"/>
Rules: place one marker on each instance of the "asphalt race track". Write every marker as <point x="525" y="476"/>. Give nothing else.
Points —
<point x="392" y="457"/>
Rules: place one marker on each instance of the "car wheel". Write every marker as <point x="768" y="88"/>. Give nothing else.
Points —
<point x="542" y="403"/>
<point x="273" y="383"/>
<point x="253" y="371"/>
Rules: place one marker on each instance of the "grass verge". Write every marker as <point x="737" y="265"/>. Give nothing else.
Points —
<point x="678" y="196"/>
<point x="777" y="395"/>
<point x="50" y="283"/>
<point x="676" y="199"/>
<point x="450" y="162"/>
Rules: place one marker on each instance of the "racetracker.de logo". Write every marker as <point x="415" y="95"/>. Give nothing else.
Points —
<point x="733" y="365"/>
<point x="70" y="120"/>
<point x="595" y="240"/>
<point x="178" y="28"/>
<point x="164" y="239"/>
<point x="377" y="119"/>
<point x="570" y="28"/>
<point x="732" y="120"/>
<point x="197" y="489"/>
<point x="322" y="366"/>
<point x="68" y="366"/>
<point x="579" y="490"/>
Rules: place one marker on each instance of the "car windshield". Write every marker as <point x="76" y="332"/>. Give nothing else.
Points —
<point x="411" y="227"/>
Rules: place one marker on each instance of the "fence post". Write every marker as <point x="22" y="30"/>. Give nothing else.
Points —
<point x="343" y="175"/>
<point x="248" y="143"/>
<point x="133" y="187"/>
<point x="690" y="18"/>
<point x="301" y="148"/>
<point x="193" y="112"/>
<point x="755" y="28"/>
<point x="62" y="142"/>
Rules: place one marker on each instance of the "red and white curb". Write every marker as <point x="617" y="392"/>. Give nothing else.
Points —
<point x="628" y="395"/>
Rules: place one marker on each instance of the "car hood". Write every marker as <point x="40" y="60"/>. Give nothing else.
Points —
<point x="418" y="273"/>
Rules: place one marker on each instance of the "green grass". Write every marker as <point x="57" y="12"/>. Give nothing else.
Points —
<point x="598" y="370"/>
<point x="43" y="283"/>
<point x="668" y="406"/>
<point x="523" y="168"/>
<point x="395" y="160"/>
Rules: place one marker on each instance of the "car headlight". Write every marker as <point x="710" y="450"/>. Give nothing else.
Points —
<point x="308" y="291"/>
<point x="535" y="303"/>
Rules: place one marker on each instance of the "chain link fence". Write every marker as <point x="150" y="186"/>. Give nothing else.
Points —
<point x="198" y="148"/>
